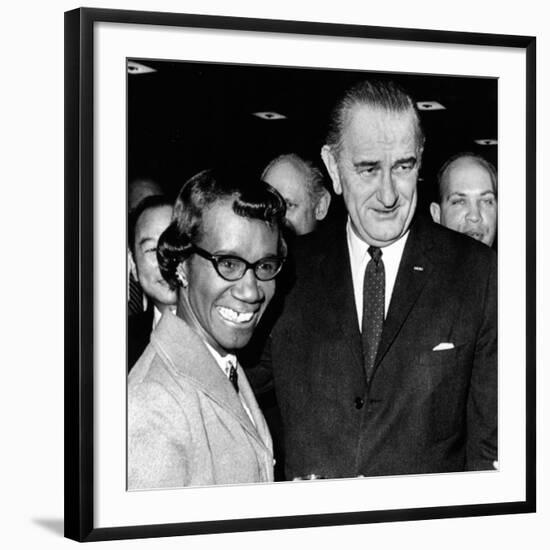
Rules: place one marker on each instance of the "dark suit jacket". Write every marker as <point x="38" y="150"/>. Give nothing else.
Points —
<point x="424" y="410"/>
<point x="140" y="326"/>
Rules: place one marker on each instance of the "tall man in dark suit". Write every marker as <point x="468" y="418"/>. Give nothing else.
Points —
<point x="385" y="355"/>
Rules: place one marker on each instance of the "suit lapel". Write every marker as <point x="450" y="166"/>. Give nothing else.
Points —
<point x="340" y="323"/>
<point x="414" y="272"/>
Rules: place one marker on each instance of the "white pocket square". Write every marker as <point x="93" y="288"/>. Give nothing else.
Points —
<point x="443" y="346"/>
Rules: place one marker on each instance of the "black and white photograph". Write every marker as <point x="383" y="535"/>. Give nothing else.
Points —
<point x="275" y="275"/>
<point x="312" y="294"/>
<point x="312" y="274"/>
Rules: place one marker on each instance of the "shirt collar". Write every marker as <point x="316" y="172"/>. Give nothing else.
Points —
<point x="226" y="362"/>
<point x="358" y="248"/>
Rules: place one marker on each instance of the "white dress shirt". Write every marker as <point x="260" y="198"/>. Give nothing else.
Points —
<point x="359" y="257"/>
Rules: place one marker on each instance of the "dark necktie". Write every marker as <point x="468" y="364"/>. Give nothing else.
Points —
<point x="233" y="378"/>
<point x="373" y="308"/>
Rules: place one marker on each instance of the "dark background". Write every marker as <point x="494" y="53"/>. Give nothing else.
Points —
<point x="189" y="116"/>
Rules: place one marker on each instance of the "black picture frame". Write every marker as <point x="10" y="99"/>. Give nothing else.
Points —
<point x="79" y="269"/>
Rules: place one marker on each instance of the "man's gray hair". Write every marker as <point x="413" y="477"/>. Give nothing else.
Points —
<point x="378" y="94"/>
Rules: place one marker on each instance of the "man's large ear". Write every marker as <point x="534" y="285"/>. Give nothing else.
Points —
<point x="435" y="211"/>
<point x="322" y="206"/>
<point x="132" y="265"/>
<point x="332" y="168"/>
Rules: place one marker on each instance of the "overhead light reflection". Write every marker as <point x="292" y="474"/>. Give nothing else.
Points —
<point x="139" y="68"/>
<point x="430" y="106"/>
<point x="486" y="141"/>
<point x="269" y="115"/>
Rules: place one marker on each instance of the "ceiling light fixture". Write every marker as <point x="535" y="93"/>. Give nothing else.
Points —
<point x="486" y="141"/>
<point x="269" y="115"/>
<point x="138" y="68"/>
<point x="430" y="106"/>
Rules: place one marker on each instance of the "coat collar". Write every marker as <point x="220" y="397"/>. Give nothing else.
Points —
<point x="186" y="354"/>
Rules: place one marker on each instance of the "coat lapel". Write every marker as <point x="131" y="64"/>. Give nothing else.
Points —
<point x="185" y="352"/>
<point x="248" y="396"/>
<point x="414" y="272"/>
<point x="340" y="323"/>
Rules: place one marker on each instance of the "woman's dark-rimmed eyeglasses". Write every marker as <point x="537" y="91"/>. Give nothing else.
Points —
<point x="233" y="268"/>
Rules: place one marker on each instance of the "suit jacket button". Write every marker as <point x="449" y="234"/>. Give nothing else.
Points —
<point x="359" y="403"/>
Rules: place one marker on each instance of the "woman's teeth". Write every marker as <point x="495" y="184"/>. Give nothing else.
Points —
<point x="235" y="316"/>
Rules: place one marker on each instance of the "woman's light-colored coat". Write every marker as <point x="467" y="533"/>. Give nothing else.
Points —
<point x="186" y="423"/>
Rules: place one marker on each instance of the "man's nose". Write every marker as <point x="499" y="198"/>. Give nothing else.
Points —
<point x="247" y="288"/>
<point x="387" y="192"/>
<point x="474" y="212"/>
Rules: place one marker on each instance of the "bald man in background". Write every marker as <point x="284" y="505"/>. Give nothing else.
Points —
<point x="300" y="183"/>
<point x="468" y="197"/>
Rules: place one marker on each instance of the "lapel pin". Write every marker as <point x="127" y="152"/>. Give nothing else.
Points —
<point x="418" y="268"/>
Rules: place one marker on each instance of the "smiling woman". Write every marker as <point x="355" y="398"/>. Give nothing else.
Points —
<point x="192" y="416"/>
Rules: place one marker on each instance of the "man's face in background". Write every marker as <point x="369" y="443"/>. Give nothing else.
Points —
<point x="468" y="203"/>
<point x="149" y="227"/>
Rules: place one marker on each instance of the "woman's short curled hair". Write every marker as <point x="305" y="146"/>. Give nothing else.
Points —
<point x="251" y="198"/>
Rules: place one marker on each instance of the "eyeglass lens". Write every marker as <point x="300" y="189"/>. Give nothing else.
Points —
<point x="235" y="268"/>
